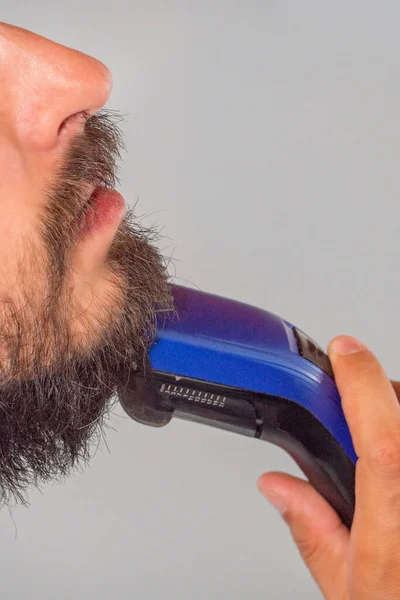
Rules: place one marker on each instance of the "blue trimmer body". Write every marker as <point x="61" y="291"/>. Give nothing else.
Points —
<point x="234" y="366"/>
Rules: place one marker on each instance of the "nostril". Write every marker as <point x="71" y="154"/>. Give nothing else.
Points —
<point x="62" y="126"/>
<point x="77" y="119"/>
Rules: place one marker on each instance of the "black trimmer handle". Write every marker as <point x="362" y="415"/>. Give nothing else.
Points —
<point x="153" y="398"/>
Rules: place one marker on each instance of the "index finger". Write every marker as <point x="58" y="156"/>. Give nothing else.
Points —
<point x="372" y="411"/>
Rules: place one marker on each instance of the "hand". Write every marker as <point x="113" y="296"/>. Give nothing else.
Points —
<point x="363" y="564"/>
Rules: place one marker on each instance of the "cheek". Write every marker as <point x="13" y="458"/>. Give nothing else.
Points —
<point x="21" y="250"/>
<point x="24" y="286"/>
<point x="24" y="283"/>
<point x="21" y="255"/>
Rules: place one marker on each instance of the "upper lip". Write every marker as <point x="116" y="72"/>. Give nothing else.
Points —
<point x="91" y="190"/>
<point x="86" y="203"/>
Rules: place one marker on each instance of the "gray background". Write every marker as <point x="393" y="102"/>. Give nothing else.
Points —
<point x="265" y="138"/>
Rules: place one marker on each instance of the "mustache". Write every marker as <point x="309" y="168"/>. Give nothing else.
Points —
<point x="93" y="154"/>
<point x="90" y="161"/>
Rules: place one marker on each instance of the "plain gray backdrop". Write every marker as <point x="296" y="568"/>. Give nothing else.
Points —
<point x="264" y="137"/>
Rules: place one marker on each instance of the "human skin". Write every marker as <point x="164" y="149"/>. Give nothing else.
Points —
<point x="364" y="563"/>
<point x="77" y="310"/>
<point x="78" y="301"/>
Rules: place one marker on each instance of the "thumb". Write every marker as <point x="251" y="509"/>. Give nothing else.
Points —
<point x="321" y="537"/>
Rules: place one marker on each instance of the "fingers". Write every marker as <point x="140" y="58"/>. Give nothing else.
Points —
<point x="364" y="563"/>
<point x="320" y="536"/>
<point x="368" y="398"/>
<point x="372" y="411"/>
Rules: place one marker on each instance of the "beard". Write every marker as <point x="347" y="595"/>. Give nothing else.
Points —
<point x="57" y="388"/>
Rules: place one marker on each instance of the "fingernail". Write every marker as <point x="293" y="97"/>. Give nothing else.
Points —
<point x="276" y="501"/>
<point x="345" y="345"/>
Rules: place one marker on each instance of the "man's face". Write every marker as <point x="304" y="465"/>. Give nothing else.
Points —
<point x="80" y="283"/>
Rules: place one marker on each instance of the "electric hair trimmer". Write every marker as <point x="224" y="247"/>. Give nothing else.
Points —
<point x="224" y="363"/>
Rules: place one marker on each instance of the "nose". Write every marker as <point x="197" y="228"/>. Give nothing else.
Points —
<point x="42" y="83"/>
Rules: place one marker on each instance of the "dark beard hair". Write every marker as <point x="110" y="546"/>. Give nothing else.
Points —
<point x="55" y="394"/>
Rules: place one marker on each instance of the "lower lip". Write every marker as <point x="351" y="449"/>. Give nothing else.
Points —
<point x="107" y="210"/>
